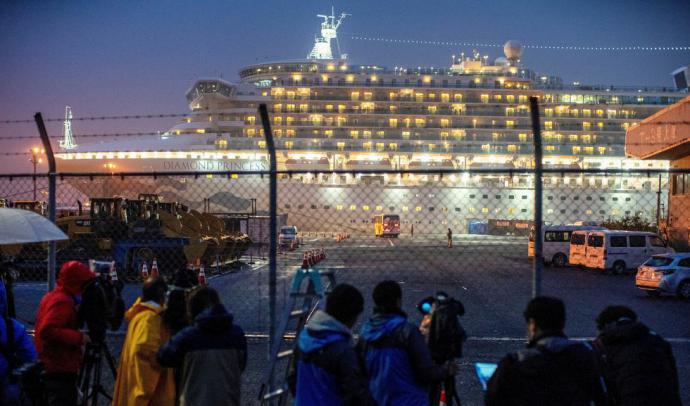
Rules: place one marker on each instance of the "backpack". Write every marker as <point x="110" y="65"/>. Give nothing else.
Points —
<point x="446" y="334"/>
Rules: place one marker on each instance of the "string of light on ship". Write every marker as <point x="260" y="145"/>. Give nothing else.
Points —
<point x="528" y="46"/>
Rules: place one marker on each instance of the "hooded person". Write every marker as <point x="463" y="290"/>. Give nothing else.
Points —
<point x="16" y="349"/>
<point x="58" y="339"/>
<point x="140" y="379"/>
<point x="638" y="364"/>
<point x="328" y="371"/>
<point x="552" y="370"/>
<point x="212" y="353"/>
<point x="397" y="359"/>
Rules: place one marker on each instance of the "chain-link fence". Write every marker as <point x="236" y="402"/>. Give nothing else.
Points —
<point x="465" y="232"/>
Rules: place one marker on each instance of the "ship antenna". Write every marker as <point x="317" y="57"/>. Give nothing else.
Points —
<point x="67" y="141"/>
<point x="329" y="31"/>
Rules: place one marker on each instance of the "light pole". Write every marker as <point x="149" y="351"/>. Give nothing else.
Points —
<point x="35" y="160"/>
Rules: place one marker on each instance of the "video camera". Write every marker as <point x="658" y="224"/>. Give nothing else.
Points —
<point x="445" y="333"/>
<point x="102" y="305"/>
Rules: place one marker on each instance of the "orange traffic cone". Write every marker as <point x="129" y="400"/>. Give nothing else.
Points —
<point x="202" y="276"/>
<point x="154" y="268"/>
<point x="144" y="271"/>
<point x="442" y="401"/>
<point x="113" y="272"/>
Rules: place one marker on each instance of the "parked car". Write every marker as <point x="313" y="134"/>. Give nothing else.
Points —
<point x="668" y="273"/>
<point x="619" y="251"/>
<point x="288" y="236"/>
<point x="556" y="242"/>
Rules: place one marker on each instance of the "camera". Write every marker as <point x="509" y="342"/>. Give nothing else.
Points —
<point x="445" y="334"/>
<point x="102" y="306"/>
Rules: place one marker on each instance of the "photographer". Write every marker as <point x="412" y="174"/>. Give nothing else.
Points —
<point x="445" y="337"/>
<point x="397" y="359"/>
<point x="140" y="379"/>
<point x="58" y="339"/>
<point x="16" y="349"/>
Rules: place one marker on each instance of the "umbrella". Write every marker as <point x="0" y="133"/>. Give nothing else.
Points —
<point x="23" y="226"/>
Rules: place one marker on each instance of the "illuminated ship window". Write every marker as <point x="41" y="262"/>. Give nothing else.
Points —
<point x="405" y="208"/>
<point x="485" y="210"/>
<point x="339" y="207"/>
<point x="353" y="207"/>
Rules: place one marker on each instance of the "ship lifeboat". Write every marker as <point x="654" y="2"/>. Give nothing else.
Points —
<point x="307" y="164"/>
<point x="492" y="165"/>
<point x="436" y="164"/>
<point x="369" y="164"/>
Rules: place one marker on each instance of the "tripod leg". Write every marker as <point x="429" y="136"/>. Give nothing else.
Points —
<point x="111" y="360"/>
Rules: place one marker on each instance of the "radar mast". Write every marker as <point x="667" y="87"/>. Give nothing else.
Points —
<point x="329" y="31"/>
<point x="67" y="141"/>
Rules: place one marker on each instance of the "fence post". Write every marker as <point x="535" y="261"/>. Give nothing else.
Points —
<point x="51" y="195"/>
<point x="273" y="240"/>
<point x="538" y="195"/>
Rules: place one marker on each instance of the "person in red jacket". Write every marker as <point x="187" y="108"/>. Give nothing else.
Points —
<point x="58" y="339"/>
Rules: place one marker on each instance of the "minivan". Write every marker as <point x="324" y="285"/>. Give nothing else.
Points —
<point x="288" y="236"/>
<point x="578" y="246"/>
<point x="556" y="242"/>
<point x="619" y="251"/>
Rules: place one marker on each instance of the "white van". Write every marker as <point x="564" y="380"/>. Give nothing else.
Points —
<point x="288" y="236"/>
<point x="578" y="246"/>
<point x="622" y="250"/>
<point x="556" y="242"/>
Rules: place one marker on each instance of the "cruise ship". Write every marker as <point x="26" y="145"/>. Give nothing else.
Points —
<point x="333" y="120"/>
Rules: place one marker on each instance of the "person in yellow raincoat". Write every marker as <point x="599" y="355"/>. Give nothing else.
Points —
<point x="140" y="379"/>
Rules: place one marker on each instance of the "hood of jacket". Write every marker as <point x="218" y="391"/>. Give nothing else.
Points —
<point x="139" y="307"/>
<point x="322" y="329"/>
<point x="214" y="319"/>
<point x="381" y="324"/>
<point x="623" y="331"/>
<point x="73" y="275"/>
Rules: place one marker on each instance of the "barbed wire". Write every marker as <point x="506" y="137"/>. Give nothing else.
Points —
<point x="95" y="118"/>
<point x="530" y="46"/>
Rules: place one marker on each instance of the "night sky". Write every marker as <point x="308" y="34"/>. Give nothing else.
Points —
<point x="140" y="57"/>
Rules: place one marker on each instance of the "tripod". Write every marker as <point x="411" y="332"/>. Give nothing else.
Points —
<point x="90" y="374"/>
<point x="448" y="385"/>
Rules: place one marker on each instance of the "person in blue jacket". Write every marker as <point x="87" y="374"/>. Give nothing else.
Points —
<point x="396" y="357"/>
<point x="13" y="353"/>
<point x="328" y="371"/>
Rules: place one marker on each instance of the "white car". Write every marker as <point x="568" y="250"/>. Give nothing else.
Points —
<point x="667" y="273"/>
<point x="288" y="236"/>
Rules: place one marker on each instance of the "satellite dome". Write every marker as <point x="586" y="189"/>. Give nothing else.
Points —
<point x="501" y="61"/>
<point x="513" y="50"/>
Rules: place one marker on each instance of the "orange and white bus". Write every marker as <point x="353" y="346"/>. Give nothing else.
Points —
<point x="386" y="225"/>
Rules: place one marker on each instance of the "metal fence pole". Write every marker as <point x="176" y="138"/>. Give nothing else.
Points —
<point x="538" y="195"/>
<point x="273" y="240"/>
<point x="51" y="195"/>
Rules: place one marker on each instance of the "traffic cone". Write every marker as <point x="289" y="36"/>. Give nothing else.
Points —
<point x="442" y="401"/>
<point x="113" y="272"/>
<point x="202" y="276"/>
<point x="154" y="268"/>
<point x="144" y="271"/>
